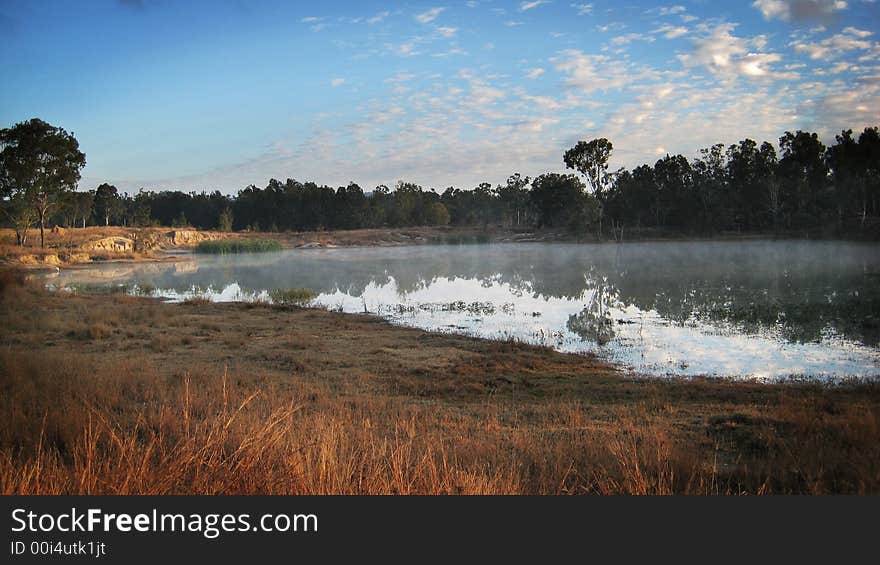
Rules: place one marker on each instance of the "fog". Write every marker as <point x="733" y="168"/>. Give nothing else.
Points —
<point x="756" y="309"/>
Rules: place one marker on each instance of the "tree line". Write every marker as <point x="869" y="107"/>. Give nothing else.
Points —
<point x="746" y="186"/>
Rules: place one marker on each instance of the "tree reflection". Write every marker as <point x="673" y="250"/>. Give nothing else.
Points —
<point x="595" y="322"/>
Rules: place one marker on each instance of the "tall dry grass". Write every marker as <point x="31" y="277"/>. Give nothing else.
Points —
<point x="73" y="426"/>
<point x="75" y="418"/>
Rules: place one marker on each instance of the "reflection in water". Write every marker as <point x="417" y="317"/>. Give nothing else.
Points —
<point x="595" y="323"/>
<point x="760" y="309"/>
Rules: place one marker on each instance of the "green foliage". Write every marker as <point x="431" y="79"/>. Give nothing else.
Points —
<point x="108" y="204"/>
<point x="591" y="160"/>
<point x="807" y="189"/>
<point x="227" y="246"/>
<point x="224" y="222"/>
<point x="437" y="215"/>
<point x="559" y="200"/>
<point x="292" y="296"/>
<point x="39" y="164"/>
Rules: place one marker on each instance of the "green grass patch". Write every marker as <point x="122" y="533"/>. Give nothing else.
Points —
<point x="292" y="296"/>
<point x="225" y="246"/>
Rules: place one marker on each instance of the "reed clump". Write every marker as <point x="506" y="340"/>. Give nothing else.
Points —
<point x="228" y="246"/>
<point x="292" y="296"/>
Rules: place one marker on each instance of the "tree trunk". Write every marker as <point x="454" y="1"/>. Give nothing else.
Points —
<point x="42" y="231"/>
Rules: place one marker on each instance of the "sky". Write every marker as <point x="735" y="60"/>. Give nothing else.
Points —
<point x="198" y="95"/>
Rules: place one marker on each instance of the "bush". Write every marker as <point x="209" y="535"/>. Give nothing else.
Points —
<point x="238" y="246"/>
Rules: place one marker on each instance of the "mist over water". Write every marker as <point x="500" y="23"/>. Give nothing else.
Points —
<point x="754" y="309"/>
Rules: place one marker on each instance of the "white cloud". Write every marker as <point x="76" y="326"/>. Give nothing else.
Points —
<point x="583" y="9"/>
<point x="851" y="39"/>
<point x="671" y="32"/>
<point x="535" y="73"/>
<point x="407" y="49"/>
<point x="310" y="19"/>
<point x="667" y="10"/>
<point x="446" y="31"/>
<point x="543" y="102"/>
<point x="729" y="56"/>
<point x="337" y="82"/>
<point x="630" y="37"/>
<point x="523" y="6"/>
<point x="378" y="17"/>
<point x="589" y="73"/>
<point x="791" y="10"/>
<point x="429" y="15"/>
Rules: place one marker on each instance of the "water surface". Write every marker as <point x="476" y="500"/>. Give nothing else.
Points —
<point x="756" y="309"/>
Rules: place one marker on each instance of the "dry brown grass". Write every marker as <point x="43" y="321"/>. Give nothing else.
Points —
<point x="127" y="395"/>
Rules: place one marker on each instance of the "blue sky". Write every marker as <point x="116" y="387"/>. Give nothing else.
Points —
<point x="169" y="94"/>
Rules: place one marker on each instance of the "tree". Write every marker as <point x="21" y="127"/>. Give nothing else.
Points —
<point x="21" y="215"/>
<point x="514" y="199"/>
<point x="591" y="160"/>
<point x="437" y="214"/>
<point x="40" y="163"/>
<point x="558" y="199"/>
<point x="710" y="184"/>
<point x="108" y="205"/>
<point x="224" y="222"/>
<point x="82" y="203"/>
<point x="804" y="175"/>
<point x="674" y="179"/>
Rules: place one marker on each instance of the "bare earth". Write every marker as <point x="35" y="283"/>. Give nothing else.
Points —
<point x="70" y="246"/>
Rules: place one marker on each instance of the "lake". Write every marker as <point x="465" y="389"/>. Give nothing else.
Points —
<point x="765" y="310"/>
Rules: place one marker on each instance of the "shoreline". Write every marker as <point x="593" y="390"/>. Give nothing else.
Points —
<point x="544" y="422"/>
<point x="90" y="246"/>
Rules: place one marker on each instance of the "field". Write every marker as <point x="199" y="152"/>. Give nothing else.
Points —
<point x="128" y="395"/>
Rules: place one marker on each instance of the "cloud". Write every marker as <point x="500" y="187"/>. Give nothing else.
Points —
<point x="310" y="19"/>
<point x="667" y="10"/>
<point x="407" y="49"/>
<point x="797" y="10"/>
<point x="671" y="32"/>
<point x="588" y="73"/>
<point x="630" y="37"/>
<point x="446" y="31"/>
<point x="583" y="9"/>
<point x="851" y="39"/>
<point x="535" y="73"/>
<point x="523" y="6"/>
<point x="378" y="18"/>
<point x="337" y="82"/>
<point x="729" y="56"/>
<point x="854" y="106"/>
<point x="429" y="15"/>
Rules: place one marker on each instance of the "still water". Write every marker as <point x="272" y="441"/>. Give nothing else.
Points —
<point x="758" y="309"/>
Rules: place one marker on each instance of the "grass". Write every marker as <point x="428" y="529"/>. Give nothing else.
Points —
<point x="128" y="395"/>
<point x="292" y="296"/>
<point x="226" y="246"/>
